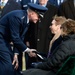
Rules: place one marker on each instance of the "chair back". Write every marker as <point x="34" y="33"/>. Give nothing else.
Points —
<point x="68" y="67"/>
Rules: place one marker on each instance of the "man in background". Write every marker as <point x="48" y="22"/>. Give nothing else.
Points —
<point x="10" y="5"/>
<point x="67" y="9"/>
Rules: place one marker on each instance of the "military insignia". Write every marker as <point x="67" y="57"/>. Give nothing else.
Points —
<point x="41" y="15"/>
<point x="23" y="17"/>
<point x="24" y="5"/>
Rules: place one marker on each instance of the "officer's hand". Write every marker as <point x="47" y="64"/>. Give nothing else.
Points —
<point x="15" y="61"/>
<point x="32" y="54"/>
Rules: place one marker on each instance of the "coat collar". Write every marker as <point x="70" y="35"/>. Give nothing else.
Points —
<point x="69" y="37"/>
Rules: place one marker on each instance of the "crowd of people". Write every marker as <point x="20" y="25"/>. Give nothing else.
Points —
<point x="37" y="28"/>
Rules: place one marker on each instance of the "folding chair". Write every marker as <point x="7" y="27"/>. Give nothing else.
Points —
<point x="68" y="67"/>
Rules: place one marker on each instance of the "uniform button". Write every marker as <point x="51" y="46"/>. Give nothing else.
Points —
<point x="38" y="39"/>
<point x="39" y="21"/>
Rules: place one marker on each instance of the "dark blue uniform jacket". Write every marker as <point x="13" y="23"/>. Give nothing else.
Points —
<point x="13" y="27"/>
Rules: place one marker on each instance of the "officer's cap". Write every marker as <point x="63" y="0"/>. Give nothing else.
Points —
<point x="37" y="8"/>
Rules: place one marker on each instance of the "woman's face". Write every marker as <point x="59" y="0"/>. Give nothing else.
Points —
<point x="54" y="28"/>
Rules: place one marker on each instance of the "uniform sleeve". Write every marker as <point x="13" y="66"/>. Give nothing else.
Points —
<point x="15" y="25"/>
<point x="57" y="58"/>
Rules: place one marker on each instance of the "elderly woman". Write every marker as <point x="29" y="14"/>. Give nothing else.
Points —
<point x="59" y="55"/>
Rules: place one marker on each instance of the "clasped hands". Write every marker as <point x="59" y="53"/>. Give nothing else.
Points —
<point x="31" y="52"/>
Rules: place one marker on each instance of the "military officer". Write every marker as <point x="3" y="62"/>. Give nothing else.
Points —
<point x="13" y="27"/>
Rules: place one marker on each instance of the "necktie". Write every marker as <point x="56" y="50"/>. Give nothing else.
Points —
<point x="23" y="62"/>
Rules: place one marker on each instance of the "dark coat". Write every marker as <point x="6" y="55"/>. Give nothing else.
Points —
<point x="25" y="2"/>
<point x="30" y="35"/>
<point x="55" y="61"/>
<point x="43" y="32"/>
<point x="67" y="9"/>
<point x="60" y="54"/>
<point x="13" y="27"/>
<point x="55" y="44"/>
<point x="37" y="72"/>
<point x="10" y="6"/>
<point x="53" y="2"/>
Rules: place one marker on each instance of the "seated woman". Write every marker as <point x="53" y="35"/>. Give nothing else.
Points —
<point x="59" y="55"/>
<point x="56" y="40"/>
<point x="56" y="30"/>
